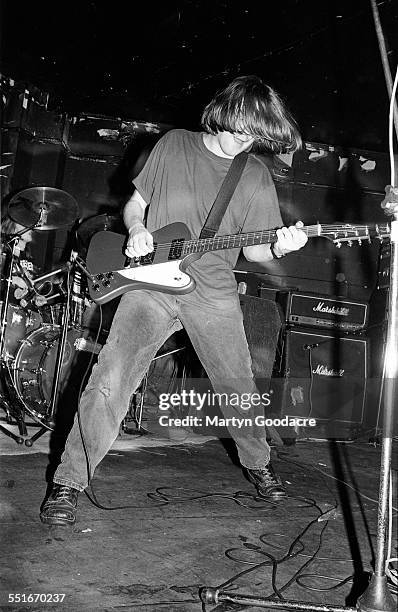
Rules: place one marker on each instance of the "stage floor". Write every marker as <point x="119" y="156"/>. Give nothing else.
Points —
<point x="187" y="506"/>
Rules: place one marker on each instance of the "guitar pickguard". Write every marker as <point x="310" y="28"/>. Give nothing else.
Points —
<point x="167" y="274"/>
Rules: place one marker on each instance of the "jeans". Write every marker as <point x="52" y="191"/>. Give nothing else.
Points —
<point x="142" y="323"/>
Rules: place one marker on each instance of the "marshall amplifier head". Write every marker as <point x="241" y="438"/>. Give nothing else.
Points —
<point x="325" y="312"/>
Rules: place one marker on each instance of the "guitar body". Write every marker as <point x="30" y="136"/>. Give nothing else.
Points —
<point x="163" y="270"/>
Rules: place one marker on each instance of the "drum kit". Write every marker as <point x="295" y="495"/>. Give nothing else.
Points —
<point x="46" y="345"/>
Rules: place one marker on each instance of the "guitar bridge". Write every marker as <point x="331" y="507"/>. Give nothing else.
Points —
<point x="144" y="260"/>
<point x="148" y="259"/>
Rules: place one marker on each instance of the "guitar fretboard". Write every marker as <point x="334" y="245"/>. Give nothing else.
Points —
<point x="232" y="241"/>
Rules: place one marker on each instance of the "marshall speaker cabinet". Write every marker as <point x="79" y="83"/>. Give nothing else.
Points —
<point x="323" y="377"/>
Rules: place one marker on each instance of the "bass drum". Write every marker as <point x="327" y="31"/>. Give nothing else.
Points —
<point x="34" y="370"/>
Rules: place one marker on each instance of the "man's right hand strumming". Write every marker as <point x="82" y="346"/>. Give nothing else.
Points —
<point x="140" y="241"/>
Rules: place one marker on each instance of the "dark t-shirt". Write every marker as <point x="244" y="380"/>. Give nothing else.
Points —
<point x="180" y="182"/>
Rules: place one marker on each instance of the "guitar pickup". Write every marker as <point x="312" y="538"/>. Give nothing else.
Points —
<point x="175" y="251"/>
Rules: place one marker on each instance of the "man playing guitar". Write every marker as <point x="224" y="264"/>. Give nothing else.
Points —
<point x="179" y="183"/>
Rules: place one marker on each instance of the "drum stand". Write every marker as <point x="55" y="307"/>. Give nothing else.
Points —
<point x="19" y="418"/>
<point x="49" y="423"/>
<point x="19" y="421"/>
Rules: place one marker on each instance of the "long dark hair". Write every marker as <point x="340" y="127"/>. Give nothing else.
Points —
<point x="247" y="105"/>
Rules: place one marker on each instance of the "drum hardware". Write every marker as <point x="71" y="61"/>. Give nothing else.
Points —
<point x="18" y="416"/>
<point x="81" y="264"/>
<point x="6" y="298"/>
<point x="61" y="342"/>
<point x="19" y="421"/>
<point x="40" y="279"/>
<point x="79" y="295"/>
<point x="15" y="322"/>
<point x="36" y="349"/>
<point x="46" y="286"/>
<point x="77" y="300"/>
<point x="49" y="422"/>
<point x="38" y="296"/>
<point x="33" y="355"/>
<point x="38" y="346"/>
<point x="52" y="314"/>
<point x="12" y="417"/>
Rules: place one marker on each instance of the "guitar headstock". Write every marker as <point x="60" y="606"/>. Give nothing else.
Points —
<point x="350" y="233"/>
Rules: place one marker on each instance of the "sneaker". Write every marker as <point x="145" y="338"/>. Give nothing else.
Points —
<point x="60" y="508"/>
<point x="267" y="483"/>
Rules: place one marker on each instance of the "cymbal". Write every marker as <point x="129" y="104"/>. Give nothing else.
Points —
<point x="105" y="222"/>
<point x="43" y="208"/>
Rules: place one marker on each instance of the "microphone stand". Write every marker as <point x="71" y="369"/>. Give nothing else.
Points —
<point x="377" y="597"/>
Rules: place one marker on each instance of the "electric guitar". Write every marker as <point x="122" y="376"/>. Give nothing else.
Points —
<point x="111" y="273"/>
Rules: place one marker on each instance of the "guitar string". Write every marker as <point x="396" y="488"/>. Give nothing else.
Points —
<point x="312" y="231"/>
<point x="189" y="246"/>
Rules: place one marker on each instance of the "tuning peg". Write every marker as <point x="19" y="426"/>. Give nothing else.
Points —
<point x="338" y="244"/>
<point x="349" y="242"/>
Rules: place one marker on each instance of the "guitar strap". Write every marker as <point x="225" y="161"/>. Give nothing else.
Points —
<point x="224" y="195"/>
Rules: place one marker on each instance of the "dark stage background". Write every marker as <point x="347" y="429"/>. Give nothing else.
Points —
<point x="88" y="88"/>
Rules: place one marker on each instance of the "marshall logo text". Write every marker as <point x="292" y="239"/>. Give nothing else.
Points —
<point x="323" y="370"/>
<point x="320" y="307"/>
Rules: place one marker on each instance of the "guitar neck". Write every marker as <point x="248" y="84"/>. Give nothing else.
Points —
<point x="338" y="232"/>
<point x="237" y="241"/>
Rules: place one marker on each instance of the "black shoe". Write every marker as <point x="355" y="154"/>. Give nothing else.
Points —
<point x="60" y="508"/>
<point x="267" y="483"/>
